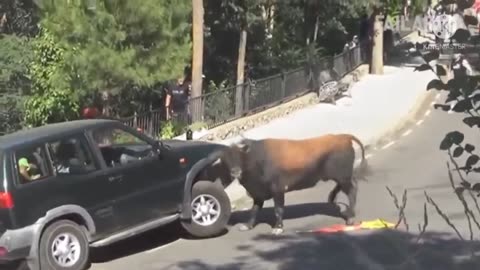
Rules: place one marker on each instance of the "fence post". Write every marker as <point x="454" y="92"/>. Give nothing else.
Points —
<point x="135" y="119"/>
<point x="150" y="120"/>
<point x="283" y="80"/>
<point x="246" y="97"/>
<point x="239" y="100"/>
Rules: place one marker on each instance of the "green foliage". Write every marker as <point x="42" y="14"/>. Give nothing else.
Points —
<point x="171" y="129"/>
<point x="22" y="17"/>
<point x="51" y="99"/>
<point x="285" y="49"/>
<point x="419" y="6"/>
<point x="198" y="126"/>
<point x="121" y="42"/>
<point x="10" y="116"/>
<point x="219" y="104"/>
<point x="14" y="82"/>
<point x="16" y="55"/>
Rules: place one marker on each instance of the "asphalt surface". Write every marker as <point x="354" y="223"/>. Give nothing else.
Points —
<point x="413" y="162"/>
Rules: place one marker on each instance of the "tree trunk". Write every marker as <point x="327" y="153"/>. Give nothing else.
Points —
<point x="315" y="33"/>
<point x="376" y="64"/>
<point x="242" y="48"/>
<point x="196" y="108"/>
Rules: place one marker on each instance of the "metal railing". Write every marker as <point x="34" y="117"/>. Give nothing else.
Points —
<point x="224" y="105"/>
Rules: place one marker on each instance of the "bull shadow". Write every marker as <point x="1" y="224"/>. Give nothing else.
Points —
<point x="380" y="249"/>
<point x="267" y="215"/>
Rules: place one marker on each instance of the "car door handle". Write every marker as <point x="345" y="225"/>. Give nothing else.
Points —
<point x="115" y="178"/>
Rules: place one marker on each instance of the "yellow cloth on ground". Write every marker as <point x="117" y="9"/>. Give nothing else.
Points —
<point x="376" y="224"/>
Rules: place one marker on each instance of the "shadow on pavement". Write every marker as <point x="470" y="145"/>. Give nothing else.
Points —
<point x="381" y="249"/>
<point x="170" y="233"/>
<point x="266" y="215"/>
<point x="143" y="242"/>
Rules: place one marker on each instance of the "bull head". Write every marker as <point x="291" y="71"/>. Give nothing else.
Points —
<point x="244" y="144"/>
<point x="235" y="157"/>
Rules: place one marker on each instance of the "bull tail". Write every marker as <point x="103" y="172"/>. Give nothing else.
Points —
<point x="363" y="169"/>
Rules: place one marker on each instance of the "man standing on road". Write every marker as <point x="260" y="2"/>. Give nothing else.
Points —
<point x="176" y="98"/>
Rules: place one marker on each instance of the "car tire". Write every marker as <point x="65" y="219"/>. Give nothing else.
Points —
<point x="213" y="195"/>
<point x="57" y="232"/>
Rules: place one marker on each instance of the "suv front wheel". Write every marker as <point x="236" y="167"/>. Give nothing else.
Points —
<point x="210" y="210"/>
<point x="64" y="246"/>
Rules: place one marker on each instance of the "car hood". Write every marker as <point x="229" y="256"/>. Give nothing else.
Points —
<point x="193" y="150"/>
<point x="182" y="143"/>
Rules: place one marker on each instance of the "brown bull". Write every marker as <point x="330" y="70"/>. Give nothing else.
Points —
<point x="271" y="167"/>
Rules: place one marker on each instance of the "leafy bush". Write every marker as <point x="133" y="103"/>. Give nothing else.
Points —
<point x="10" y="116"/>
<point x="219" y="105"/>
<point x="51" y="100"/>
<point x="198" y="126"/>
<point x="171" y="129"/>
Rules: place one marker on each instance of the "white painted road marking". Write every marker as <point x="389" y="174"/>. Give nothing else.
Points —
<point x="388" y="145"/>
<point x="406" y="133"/>
<point x="160" y="247"/>
<point x="409" y="131"/>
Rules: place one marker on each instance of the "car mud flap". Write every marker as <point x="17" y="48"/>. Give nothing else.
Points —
<point x="186" y="213"/>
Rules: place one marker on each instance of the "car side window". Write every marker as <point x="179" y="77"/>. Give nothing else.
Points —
<point x="120" y="147"/>
<point x="71" y="156"/>
<point x="32" y="164"/>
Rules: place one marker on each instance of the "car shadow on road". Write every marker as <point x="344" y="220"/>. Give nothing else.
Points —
<point x="295" y="211"/>
<point x="172" y="232"/>
<point x="142" y="242"/>
<point x="380" y="249"/>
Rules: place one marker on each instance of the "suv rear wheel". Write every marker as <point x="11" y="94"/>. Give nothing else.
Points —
<point x="64" y="246"/>
<point x="210" y="210"/>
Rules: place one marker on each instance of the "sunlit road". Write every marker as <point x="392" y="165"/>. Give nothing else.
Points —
<point x="413" y="162"/>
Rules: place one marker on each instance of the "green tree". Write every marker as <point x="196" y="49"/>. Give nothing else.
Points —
<point x="18" y="25"/>
<point x="19" y="17"/>
<point x="52" y="100"/>
<point x="121" y="42"/>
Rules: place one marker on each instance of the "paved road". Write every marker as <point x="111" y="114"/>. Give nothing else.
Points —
<point x="413" y="162"/>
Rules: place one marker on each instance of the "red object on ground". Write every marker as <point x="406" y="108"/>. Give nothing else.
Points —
<point x="338" y="228"/>
<point x="139" y="130"/>
<point x="90" y="112"/>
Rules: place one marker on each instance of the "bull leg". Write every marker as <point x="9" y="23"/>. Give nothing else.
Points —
<point x="350" y="188"/>
<point x="333" y="194"/>
<point x="257" y="206"/>
<point x="279" y="205"/>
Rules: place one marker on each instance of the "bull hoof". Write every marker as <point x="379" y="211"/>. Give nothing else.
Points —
<point x="349" y="221"/>
<point x="277" y="231"/>
<point x="244" y="227"/>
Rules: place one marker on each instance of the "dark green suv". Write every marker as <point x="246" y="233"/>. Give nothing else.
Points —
<point x="68" y="186"/>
